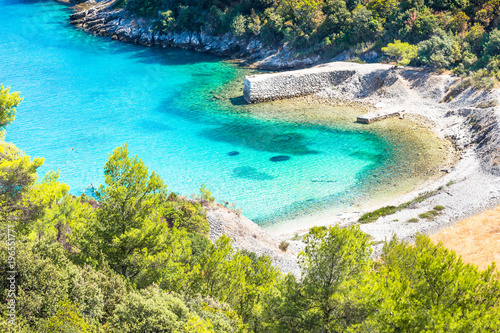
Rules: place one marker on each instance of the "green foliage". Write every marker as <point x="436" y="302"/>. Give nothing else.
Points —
<point x="23" y="200"/>
<point x="186" y="215"/>
<point x="333" y="264"/>
<point x="428" y="288"/>
<point x="209" y="315"/>
<point x="373" y="216"/>
<point x="8" y="103"/>
<point x="403" y="53"/>
<point x="437" y="52"/>
<point x="167" y="21"/>
<point x="129" y="218"/>
<point x="238" y="26"/>
<point x="46" y="277"/>
<point x="492" y="46"/>
<point x="20" y="325"/>
<point x="284" y="246"/>
<point x="206" y="195"/>
<point x="363" y="26"/>
<point x="413" y="220"/>
<point x="150" y="310"/>
<point x="459" y="23"/>
<point x="66" y="319"/>
<point x="154" y="310"/>
<point x="357" y="60"/>
<point x="130" y="196"/>
<point x="17" y="179"/>
<point x="232" y="277"/>
<point x="420" y="198"/>
<point x="331" y="257"/>
<point x="61" y="218"/>
<point x="490" y="104"/>
<point x="429" y="215"/>
<point x="382" y="8"/>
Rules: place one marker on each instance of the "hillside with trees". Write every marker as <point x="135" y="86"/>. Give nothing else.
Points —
<point x="459" y="35"/>
<point x="137" y="258"/>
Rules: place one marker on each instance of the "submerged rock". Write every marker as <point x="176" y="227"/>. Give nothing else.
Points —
<point x="279" y="158"/>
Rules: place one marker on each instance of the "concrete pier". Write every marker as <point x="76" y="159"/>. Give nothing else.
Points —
<point x="373" y="117"/>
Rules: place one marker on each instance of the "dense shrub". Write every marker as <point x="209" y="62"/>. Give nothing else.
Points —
<point x="437" y="52"/>
<point x="403" y="53"/>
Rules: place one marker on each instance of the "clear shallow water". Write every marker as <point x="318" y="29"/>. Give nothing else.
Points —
<point x="93" y="94"/>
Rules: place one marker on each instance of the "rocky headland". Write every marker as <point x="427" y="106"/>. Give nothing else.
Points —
<point x="104" y="19"/>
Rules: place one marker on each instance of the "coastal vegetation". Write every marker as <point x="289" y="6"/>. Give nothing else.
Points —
<point x="460" y="35"/>
<point x="389" y="210"/>
<point x="137" y="258"/>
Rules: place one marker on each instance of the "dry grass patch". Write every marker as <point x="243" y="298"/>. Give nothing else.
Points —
<point x="476" y="239"/>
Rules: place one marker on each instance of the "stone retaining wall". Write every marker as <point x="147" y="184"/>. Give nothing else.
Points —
<point x="266" y="87"/>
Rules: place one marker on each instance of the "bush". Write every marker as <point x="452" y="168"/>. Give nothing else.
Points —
<point x="239" y="25"/>
<point x="492" y="46"/>
<point x="403" y="53"/>
<point x="284" y="246"/>
<point x="373" y="216"/>
<point x="437" y="52"/>
<point x="485" y="105"/>
<point x="150" y="310"/>
<point x="206" y="195"/>
<point x="167" y="21"/>
<point x="475" y="37"/>
<point x="429" y="215"/>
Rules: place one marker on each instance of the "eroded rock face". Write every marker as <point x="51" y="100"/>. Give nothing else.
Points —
<point x="486" y="134"/>
<point x="249" y="236"/>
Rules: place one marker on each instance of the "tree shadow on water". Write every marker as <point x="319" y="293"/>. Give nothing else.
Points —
<point x="171" y="56"/>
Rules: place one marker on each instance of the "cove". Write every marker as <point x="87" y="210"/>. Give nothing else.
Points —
<point x="86" y="95"/>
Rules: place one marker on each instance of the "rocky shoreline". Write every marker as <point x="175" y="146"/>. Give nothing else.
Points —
<point x="103" y="19"/>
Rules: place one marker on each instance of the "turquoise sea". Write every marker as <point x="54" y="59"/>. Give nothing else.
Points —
<point x="86" y="95"/>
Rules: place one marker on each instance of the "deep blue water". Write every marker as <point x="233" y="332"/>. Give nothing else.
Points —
<point x="86" y="95"/>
